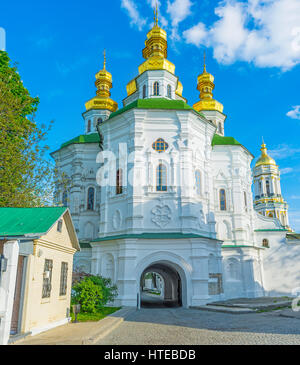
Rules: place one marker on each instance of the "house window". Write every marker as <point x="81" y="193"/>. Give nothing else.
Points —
<point x="144" y="91"/>
<point x="156" y="88"/>
<point x="63" y="278"/>
<point x="119" y="183"/>
<point x="222" y="199"/>
<point x="169" y="91"/>
<point x="59" y="225"/>
<point x="161" y="178"/>
<point x="265" y="242"/>
<point x="64" y="199"/>
<point x="160" y="145"/>
<point x="198" y="182"/>
<point x="47" y="277"/>
<point x="89" y="126"/>
<point x="90" y="198"/>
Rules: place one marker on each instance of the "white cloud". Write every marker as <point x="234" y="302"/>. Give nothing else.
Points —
<point x="283" y="151"/>
<point x="178" y="10"/>
<point x="294" y="113"/>
<point x="265" y="32"/>
<point x="196" y="35"/>
<point x="133" y="13"/>
<point x="286" y="170"/>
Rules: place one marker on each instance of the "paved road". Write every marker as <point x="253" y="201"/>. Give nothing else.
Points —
<point x="179" y="326"/>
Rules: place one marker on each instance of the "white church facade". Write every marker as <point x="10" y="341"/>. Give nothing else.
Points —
<point x="164" y="190"/>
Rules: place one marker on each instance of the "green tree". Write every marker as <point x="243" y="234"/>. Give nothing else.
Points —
<point x="26" y="176"/>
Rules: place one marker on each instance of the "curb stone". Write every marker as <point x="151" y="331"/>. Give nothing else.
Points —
<point x="108" y="324"/>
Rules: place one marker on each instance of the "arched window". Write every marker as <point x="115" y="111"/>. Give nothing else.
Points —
<point x="220" y="128"/>
<point x="265" y="242"/>
<point x="89" y="126"/>
<point x="144" y="91"/>
<point x="156" y="88"/>
<point x="119" y="184"/>
<point x="222" y="198"/>
<point x="260" y="187"/>
<point x="198" y="182"/>
<point x="64" y="199"/>
<point x="169" y="91"/>
<point x="161" y="178"/>
<point x="268" y="187"/>
<point x="233" y="269"/>
<point x="90" y="198"/>
<point x="245" y="200"/>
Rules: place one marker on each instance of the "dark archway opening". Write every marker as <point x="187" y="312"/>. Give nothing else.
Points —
<point x="160" y="287"/>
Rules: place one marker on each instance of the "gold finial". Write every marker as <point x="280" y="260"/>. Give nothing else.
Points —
<point x="155" y="16"/>
<point x="104" y="59"/>
<point x="204" y="65"/>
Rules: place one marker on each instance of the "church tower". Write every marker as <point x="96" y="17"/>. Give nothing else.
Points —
<point x="211" y="108"/>
<point x="99" y="108"/>
<point x="268" y="200"/>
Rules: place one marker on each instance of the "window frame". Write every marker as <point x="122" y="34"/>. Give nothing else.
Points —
<point x="63" y="278"/>
<point x="222" y="200"/>
<point x="47" y="282"/>
<point x="156" y="88"/>
<point x="88" y="198"/>
<point x="119" y="181"/>
<point x="161" y="177"/>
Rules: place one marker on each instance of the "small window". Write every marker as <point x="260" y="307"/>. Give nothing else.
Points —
<point x="265" y="242"/>
<point x="160" y="145"/>
<point x="144" y="91"/>
<point x="198" y="182"/>
<point x="156" y="88"/>
<point x="99" y="120"/>
<point x="222" y="199"/>
<point x="63" y="278"/>
<point x="47" y="278"/>
<point x="89" y="126"/>
<point x="268" y="187"/>
<point x="220" y="128"/>
<point x="169" y="91"/>
<point x="245" y="200"/>
<point x="161" y="178"/>
<point x="64" y="199"/>
<point x="59" y="225"/>
<point x="119" y="184"/>
<point x="90" y="199"/>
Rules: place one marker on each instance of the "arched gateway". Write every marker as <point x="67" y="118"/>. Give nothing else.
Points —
<point x="172" y="287"/>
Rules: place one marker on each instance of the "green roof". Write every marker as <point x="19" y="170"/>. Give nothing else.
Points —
<point x="221" y="140"/>
<point x="28" y="221"/>
<point x="226" y="141"/>
<point x="155" y="103"/>
<point x="83" y="138"/>
<point x="163" y="235"/>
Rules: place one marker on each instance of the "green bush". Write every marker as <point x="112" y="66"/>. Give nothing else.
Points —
<point x="93" y="293"/>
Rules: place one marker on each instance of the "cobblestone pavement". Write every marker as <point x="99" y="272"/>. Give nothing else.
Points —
<point x="179" y="326"/>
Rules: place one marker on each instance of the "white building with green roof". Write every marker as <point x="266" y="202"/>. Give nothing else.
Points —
<point x="169" y="193"/>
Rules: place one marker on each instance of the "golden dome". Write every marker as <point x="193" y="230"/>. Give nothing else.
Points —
<point x="206" y="85"/>
<point x="103" y="84"/>
<point x="265" y="159"/>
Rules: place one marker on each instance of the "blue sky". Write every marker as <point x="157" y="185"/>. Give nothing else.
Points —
<point x="252" y="47"/>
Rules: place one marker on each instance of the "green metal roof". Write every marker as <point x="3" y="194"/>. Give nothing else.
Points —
<point x="163" y="235"/>
<point x="83" y="138"/>
<point x="28" y="221"/>
<point x="226" y="141"/>
<point x="155" y="103"/>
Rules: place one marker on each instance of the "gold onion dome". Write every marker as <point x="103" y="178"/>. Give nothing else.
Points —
<point x="103" y="84"/>
<point x="155" y="54"/>
<point x="265" y="159"/>
<point x="206" y="85"/>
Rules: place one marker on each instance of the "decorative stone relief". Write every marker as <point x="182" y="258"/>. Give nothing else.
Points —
<point x="161" y="214"/>
<point x="116" y="219"/>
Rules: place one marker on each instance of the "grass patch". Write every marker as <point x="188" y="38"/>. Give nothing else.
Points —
<point x="92" y="317"/>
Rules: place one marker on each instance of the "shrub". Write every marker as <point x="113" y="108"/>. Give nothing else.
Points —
<point x="93" y="293"/>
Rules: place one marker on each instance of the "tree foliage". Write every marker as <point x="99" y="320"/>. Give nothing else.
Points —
<point x="93" y="293"/>
<point x="26" y="176"/>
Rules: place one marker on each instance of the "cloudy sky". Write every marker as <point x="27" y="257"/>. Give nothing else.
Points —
<point x="252" y="47"/>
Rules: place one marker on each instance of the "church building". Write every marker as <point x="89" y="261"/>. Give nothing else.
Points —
<point x="157" y="186"/>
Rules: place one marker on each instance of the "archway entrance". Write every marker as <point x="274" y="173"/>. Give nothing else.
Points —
<point x="160" y="286"/>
